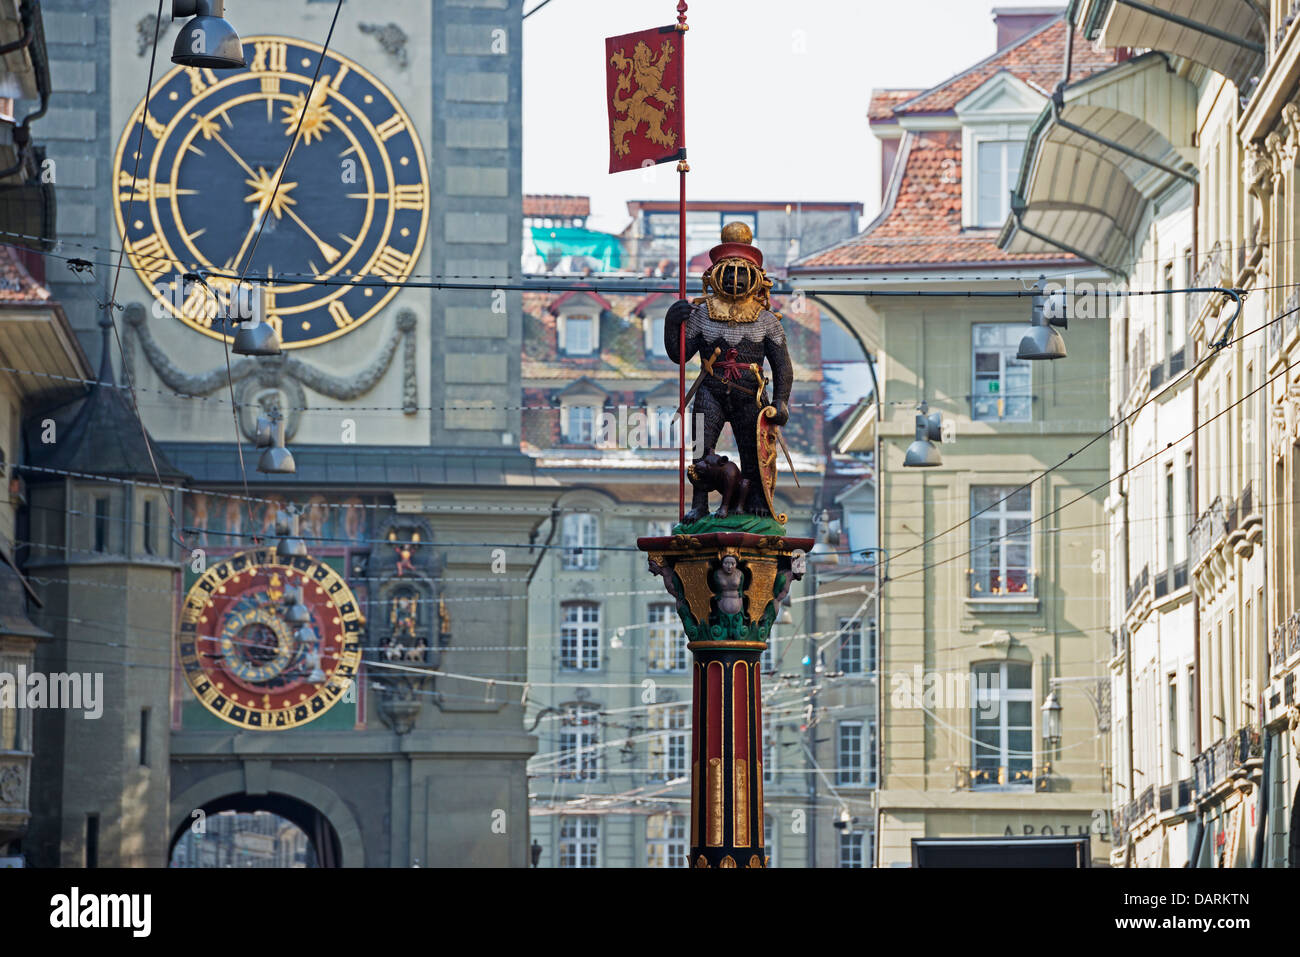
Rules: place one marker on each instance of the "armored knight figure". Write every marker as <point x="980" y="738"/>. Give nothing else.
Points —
<point x="733" y="330"/>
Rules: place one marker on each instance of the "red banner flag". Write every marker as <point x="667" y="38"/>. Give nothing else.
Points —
<point x="643" y="80"/>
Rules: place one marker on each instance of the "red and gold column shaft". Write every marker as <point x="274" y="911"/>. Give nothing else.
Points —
<point x="727" y="756"/>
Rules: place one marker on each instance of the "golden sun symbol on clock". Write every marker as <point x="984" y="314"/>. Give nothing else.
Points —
<point x="352" y="202"/>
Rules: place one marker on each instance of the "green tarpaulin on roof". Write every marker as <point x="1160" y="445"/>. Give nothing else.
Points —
<point x="561" y="241"/>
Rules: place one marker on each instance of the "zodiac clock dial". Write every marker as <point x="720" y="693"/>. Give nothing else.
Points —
<point x="353" y="200"/>
<point x="266" y="645"/>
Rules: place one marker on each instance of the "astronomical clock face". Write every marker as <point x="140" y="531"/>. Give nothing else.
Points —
<point x="353" y="200"/>
<point x="245" y="656"/>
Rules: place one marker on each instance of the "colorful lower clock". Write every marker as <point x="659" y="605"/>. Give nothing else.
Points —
<point x="267" y="644"/>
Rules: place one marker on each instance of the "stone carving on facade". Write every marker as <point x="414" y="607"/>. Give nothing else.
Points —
<point x="144" y="31"/>
<point x="11" y="786"/>
<point x="409" y="618"/>
<point x="277" y="380"/>
<point x="391" y="38"/>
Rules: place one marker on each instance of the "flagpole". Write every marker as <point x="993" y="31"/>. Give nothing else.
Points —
<point x="682" y="169"/>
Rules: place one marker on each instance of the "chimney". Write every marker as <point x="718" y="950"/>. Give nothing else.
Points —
<point x="1016" y="23"/>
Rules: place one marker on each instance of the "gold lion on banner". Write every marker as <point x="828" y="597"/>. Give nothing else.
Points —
<point x="636" y="109"/>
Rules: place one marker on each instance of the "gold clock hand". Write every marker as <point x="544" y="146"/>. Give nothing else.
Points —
<point x="329" y="252"/>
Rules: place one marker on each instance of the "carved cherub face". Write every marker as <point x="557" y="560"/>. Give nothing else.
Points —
<point x="798" y="562"/>
<point x="729" y="564"/>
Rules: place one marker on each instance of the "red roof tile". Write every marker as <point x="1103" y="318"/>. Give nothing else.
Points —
<point x="1038" y="59"/>
<point x="883" y="103"/>
<point x="16" y="283"/>
<point x="922" y="223"/>
<point x="556" y="207"/>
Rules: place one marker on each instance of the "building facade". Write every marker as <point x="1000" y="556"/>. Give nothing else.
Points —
<point x="399" y="405"/>
<point x="608" y="689"/>
<point x="990" y="606"/>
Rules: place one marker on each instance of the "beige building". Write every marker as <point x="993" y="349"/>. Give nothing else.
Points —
<point x="609" y="680"/>
<point x="992" y="606"/>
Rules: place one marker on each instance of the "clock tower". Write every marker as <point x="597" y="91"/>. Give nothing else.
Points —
<point x="342" y="684"/>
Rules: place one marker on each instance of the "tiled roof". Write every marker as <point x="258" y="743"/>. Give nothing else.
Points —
<point x="921" y="224"/>
<point x="556" y="207"/>
<point x="1038" y="59"/>
<point x="883" y="103"/>
<point x="16" y="283"/>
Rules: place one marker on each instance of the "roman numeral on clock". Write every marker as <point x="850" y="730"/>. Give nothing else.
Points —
<point x="340" y="314"/>
<point x="391" y="262"/>
<point x="390" y="127"/>
<point x="408" y="197"/>
<point x="151" y="252"/>
<point x="144" y="190"/>
<point x="270" y="85"/>
<point x="269" y="55"/>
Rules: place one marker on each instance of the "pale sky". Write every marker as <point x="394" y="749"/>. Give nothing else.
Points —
<point x="777" y="93"/>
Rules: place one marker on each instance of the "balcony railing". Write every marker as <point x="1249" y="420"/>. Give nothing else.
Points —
<point x="1002" y="776"/>
<point x="1177" y="362"/>
<point x="1286" y="639"/>
<point x="1209" y="275"/>
<point x="1166" y="797"/>
<point x="1218" y="762"/>
<point x="990" y="583"/>
<point x="1132" y="592"/>
<point x="1146" y="801"/>
<point x="1185" y="792"/>
<point x="1246" y="502"/>
<point x="1157" y="375"/>
<point x="1209" y="528"/>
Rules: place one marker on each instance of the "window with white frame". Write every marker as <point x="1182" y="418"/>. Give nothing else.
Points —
<point x="666" y="649"/>
<point x="1002" y="385"/>
<point x="580" y="636"/>
<point x="851" y="651"/>
<point x="997" y="169"/>
<point x="664" y="433"/>
<point x="1000" y="542"/>
<point x="659" y="528"/>
<point x="580" y="753"/>
<point x="670" y="747"/>
<point x="851" y="849"/>
<point x="1002" y="752"/>
<point x="579" y="333"/>
<point x="579" y="424"/>
<point x="655" y="337"/>
<point x="580" y="541"/>
<point x="665" y="841"/>
<point x="580" y="841"/>
<point x="849" y="753"/>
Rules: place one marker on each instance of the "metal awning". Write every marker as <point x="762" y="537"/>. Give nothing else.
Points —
<point x="1098" y="152"/>
<point x="1228" y="36"/>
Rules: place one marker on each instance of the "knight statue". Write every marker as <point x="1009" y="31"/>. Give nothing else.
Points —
<point x="733" y="330"/>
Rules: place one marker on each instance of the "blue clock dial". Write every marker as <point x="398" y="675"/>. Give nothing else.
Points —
<point x="352" y="201"/>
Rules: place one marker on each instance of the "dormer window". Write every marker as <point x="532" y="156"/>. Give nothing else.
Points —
<point x="580" y="424"/>
<point x="998" y="169"/>
<point x="654" y="345"/>
<point x="995" y="120"/>
<point x="578" y="334"/>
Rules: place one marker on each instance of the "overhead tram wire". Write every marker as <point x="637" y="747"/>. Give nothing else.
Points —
<point x="1150" y="458"/>
<point x="117" y="274"/>
<point x="1217" y="347"/>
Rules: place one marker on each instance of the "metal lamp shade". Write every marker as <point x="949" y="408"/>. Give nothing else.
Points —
<point x="289" y="548"/>
<point x="1042" y="342"/>
<point x="210" y="43"/>
<point x="277" y="460"/>
<point x="922" y="455"/>
<point x="256" y="339"/>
